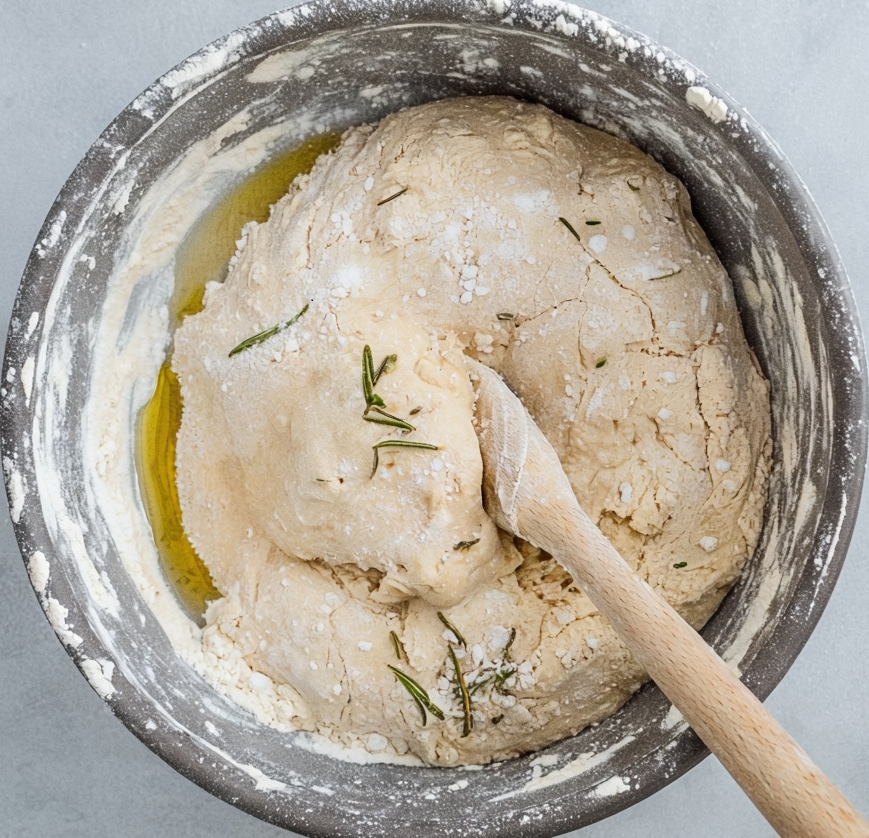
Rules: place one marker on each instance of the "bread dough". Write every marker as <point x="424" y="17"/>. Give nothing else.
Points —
<point x="570" y="262"/>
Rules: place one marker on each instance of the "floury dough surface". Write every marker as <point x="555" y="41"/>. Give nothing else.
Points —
<point x="625" y="345"/>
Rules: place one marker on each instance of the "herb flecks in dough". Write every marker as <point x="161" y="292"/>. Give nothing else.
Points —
<point x="268" y="333"/>
<point x="392" y="197"/>
<point x="375" y="404"/>
<point x="505" y="315"/>
<point x="592" y="223"/>
<point x="418" y="693"/>
<point x="600" y="363"/>
<point x="680" y="564"/>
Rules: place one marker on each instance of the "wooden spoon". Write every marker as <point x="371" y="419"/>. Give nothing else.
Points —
<point x="527" y="493"/>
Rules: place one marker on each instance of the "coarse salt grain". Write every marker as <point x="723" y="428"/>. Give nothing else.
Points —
<point x="259" y="681"/>
<point x="376" y="743"/>
<point x="598" y="243"/>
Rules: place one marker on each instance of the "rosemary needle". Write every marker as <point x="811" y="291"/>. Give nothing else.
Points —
<point x="381" y="417"/>
<point x="398" y="646"/>
<point x="472" y="688"/>
<point x="398" y="443"/>
<point x="419" y="695"/>
<point x="263" y="336"/>
<point x="386" y="366"/>
<point x="569" y="226"/>
<point x="452" y="628"/>
<point x="466" y="545"/>
<point x="368" y="375"/>
<point x="671" y="272"/>
<point x="392" y="197"/>
<point x="468" y="723"/>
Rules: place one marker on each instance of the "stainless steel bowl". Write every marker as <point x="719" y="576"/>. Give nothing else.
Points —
<point x="324" y="67"/>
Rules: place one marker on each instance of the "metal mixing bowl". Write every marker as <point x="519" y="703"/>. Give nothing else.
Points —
<point x="324" y="67"/>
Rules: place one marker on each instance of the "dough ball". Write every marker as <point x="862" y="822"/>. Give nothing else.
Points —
<point x="570" y="262"/>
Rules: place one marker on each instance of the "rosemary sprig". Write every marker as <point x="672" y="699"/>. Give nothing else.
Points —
<point x="398" y="443"/>
<point x="468" y="724"/>
<point x="381" y="417"/>
<point x="392" y="197"/>
<point x="374" y="405"/>
<point x="466" y="545"/>
<point x="263" y="336"/>
<point x="569" y="226"/>
<point x="452" y="628"/>
<point x="419" y="695"/>
<point x="398" y="646"/>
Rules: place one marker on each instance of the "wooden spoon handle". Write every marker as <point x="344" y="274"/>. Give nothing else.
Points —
<point x="788" y="789"/>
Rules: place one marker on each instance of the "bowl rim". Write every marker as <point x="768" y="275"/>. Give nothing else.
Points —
<point x="276" y="31"/>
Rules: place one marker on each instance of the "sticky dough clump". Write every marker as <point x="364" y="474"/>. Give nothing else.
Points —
<point x="570" y="262"/>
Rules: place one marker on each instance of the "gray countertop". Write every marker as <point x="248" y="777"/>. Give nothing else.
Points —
<point x="68" y="766"/>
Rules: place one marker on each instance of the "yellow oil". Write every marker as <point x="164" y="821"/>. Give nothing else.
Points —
<point x="202" y="257"/>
